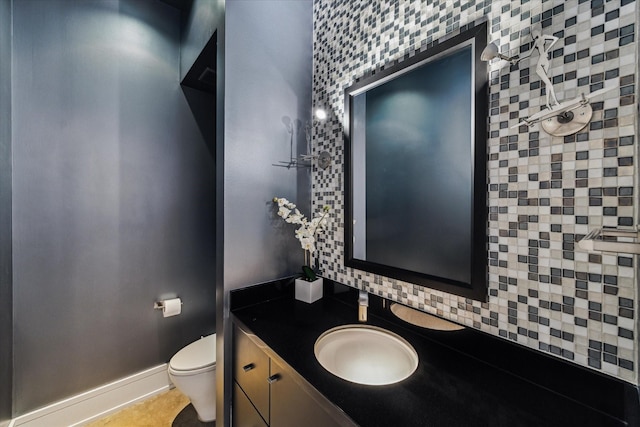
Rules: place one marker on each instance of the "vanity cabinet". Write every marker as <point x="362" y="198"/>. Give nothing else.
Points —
<point x="244" y="413"/>
<point x="251" y="371"/>
<point x="267" y="392"/>
<point x="291" y="406"/>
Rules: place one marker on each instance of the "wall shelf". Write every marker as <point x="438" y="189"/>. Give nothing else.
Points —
<point x="611" y="240"/>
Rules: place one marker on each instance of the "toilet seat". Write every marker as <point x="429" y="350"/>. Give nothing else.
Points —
<point x="192" y="370"/>
<point x="195" y="358"/>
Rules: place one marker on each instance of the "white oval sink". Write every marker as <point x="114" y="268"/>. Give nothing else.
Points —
<point x="366" y="354"/>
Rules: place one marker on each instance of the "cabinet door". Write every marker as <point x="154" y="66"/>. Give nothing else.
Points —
<point x="244" y="414"/>
<point x="251" y="370"/>
<point x="291" y="405"/>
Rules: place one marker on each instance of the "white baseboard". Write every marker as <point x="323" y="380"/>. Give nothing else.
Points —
<point x="99" y="402"/>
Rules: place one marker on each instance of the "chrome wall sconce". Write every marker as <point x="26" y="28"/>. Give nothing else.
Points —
<point x="558" y="118"/>
<point x="322" y="160"/>
<point x="491" y="52"/>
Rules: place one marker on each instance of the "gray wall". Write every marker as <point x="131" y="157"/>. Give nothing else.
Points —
<point x="6" y="321"/>
<point x="268" y="78"/>
<point x="200" y="21"/>
<point x="264" y="62"/>
<point x="113" y="196"/>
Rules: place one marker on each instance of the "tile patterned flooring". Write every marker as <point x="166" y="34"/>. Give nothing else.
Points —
<point x="168" y="409"/>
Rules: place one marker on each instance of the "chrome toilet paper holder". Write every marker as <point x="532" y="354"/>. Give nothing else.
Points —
<point x="159" y="305"/>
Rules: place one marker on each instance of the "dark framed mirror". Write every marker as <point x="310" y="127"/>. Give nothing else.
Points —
<point x="415" y="168"/>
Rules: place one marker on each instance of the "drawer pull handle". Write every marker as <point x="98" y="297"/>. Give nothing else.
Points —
<point x="248" y="367"/>
<point x="273" y="378"/>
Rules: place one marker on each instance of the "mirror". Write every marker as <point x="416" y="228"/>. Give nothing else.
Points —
<point x="415" y="157"/>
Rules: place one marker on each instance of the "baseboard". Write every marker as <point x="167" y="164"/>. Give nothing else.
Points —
<point x="99" y="402"/>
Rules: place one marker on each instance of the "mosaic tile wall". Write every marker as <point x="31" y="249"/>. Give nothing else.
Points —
<point x="543" y="191"/>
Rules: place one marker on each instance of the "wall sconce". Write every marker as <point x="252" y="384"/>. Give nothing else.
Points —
<point x="320" y="114"/>
<point x="559" y="118"/>
<point x="491" y="52"/>
<point x="323" y="160"/>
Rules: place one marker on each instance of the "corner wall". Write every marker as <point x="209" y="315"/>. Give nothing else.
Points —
<point x="543" y="192"/>
<point x="267" y="82"/>
<point x="264" y="50"/>
<point x="113" y="197"/>
<point x="6" y="280"/>
<point x="200" y="21"/>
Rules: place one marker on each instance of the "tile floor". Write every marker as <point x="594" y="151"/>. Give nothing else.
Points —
<point x="168" y="409"/>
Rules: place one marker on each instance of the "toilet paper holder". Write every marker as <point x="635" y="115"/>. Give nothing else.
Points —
<point x="159" y="305"/>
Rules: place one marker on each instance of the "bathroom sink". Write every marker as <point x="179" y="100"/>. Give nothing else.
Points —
<point x="422" y="319"/>
<point x="366" y="354"/>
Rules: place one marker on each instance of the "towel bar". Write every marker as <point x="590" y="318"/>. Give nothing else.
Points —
<point x="608" y="240"/>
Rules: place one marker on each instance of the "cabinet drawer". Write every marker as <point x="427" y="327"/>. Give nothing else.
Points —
<point x="292" y="406"/>
<point x="251" y="370"/>
<point x="244" y="414"/>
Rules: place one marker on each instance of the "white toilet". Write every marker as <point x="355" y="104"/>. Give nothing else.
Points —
<point x="193" y="371"/>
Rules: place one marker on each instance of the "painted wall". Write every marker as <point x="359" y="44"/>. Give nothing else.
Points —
<point x="200" y="21"/>
<point x="264" y="62"/>
<point x="267" y="82"/>
<point x="543" y="192"/>
<point x="113" y="196"/>
<point x="6" y="320"/>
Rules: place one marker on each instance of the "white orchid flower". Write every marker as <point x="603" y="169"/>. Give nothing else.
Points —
<point x="308" y="244"/>
<point x="295" y="218"/>
<point x="283" y="212"/>
<point x="307" y="230"/>
<point x="303" y="233"/>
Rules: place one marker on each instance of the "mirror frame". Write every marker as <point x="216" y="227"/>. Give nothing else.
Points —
<point x="477" y="289"/>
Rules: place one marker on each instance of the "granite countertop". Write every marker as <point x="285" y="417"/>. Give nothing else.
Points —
<point x="464" y="378"/>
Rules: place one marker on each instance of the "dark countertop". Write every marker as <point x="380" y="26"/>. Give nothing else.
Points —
<point x="464" y="378"/>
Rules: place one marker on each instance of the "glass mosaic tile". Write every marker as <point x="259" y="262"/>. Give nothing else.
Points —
<point x="543" y="192"/>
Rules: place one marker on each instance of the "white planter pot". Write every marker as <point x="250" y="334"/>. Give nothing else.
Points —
<point x="309" y="291"/>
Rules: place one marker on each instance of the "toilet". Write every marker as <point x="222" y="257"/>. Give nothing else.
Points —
<point x="193" y="371"/>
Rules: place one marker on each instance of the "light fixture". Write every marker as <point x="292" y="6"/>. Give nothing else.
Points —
<point x="558" y="118"/>
<point x="567" y="117"/>
<point x="569" y="120"/>
<point x="323" y="160"/>
<point x="491" y="52"/>
<point x="321" y="114"/>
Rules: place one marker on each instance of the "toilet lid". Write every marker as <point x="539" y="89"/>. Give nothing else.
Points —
<point x="197" y="355"/>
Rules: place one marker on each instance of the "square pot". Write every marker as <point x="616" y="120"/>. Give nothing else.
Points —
<point x="309" y="291"/>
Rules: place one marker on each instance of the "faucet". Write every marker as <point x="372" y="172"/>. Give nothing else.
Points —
<point x="363" y="303"/>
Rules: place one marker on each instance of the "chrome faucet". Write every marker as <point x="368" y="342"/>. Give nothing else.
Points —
<point x="363" y="303"/>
